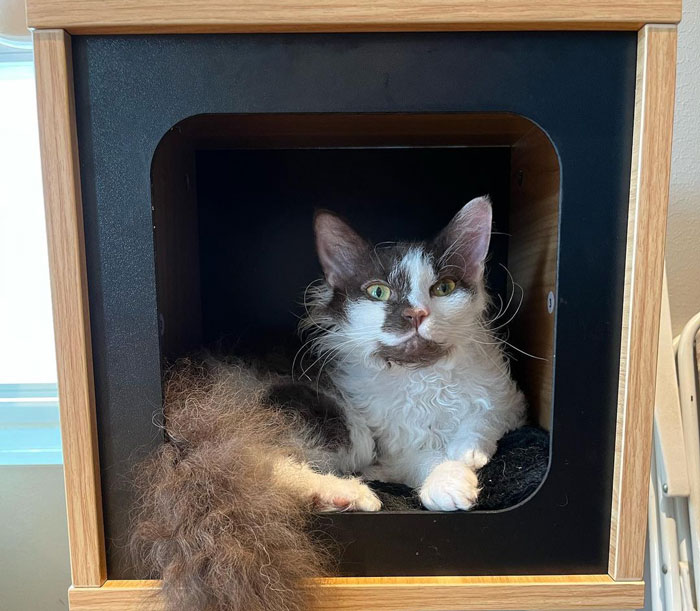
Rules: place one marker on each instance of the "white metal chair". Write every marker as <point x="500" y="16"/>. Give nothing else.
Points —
<point x="674" y="491"/>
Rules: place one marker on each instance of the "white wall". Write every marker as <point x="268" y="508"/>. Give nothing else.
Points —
<point x="683" y="237"/>
<point x="34" y="568"/>
<point x="26" y="326"/>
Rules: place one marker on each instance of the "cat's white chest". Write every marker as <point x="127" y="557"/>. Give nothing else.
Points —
<point x="410" y="409"/>
<point x="417" y="417"/>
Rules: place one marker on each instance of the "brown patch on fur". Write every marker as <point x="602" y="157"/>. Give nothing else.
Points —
<point x="209" y="521"/>
<point x="417" y="352"/>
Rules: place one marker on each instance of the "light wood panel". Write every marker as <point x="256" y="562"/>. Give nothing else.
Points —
<point x="64" y="220"/>
<point x="532" y="261"/>
<point x="167" y="16"/>
<point x="409" y="593"/>
<point x="646" y="232"/>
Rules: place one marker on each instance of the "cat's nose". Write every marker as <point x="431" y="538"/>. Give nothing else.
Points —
<point x="416" y="315"/>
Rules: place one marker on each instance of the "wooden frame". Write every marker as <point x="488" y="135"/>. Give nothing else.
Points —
<point x="646" y="234"/>
<point x="623" y="587"/>
<point x="64" y="220"/>
<point x="402" y="594"/>
<point x="198" y="16"/>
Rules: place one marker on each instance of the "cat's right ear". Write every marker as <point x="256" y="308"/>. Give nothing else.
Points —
<point x="341" y="251"/>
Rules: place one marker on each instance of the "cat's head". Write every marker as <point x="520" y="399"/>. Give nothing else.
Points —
<point x="400" y="303"/>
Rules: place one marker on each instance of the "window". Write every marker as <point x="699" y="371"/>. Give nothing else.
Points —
<point x="29" y="424"/>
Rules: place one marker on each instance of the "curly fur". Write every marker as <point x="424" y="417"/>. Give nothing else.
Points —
<point x="423" y="377"/>
<point x="212" y="522"/>
<point x="421" y="390"/>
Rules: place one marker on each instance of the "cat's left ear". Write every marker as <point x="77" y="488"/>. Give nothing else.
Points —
<point x="464" y="243"/>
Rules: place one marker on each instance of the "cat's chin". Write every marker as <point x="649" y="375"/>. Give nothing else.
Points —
<point x="414" y="352"/>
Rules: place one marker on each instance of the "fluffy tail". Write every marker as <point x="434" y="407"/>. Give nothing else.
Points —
<point x="210" y="522"/>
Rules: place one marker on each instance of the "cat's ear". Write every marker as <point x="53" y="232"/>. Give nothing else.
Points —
<point x="464" y="243"/>
<point x="340" y="249"/>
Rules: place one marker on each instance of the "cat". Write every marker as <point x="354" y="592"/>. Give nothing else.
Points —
<point x="423" y="383"/>
<point x="406" y="384"/>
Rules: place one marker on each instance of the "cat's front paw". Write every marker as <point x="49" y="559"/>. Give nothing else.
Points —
<point x="451" y="485"/>
<point x="366" y="500"/>
<point x="338" y="494"/>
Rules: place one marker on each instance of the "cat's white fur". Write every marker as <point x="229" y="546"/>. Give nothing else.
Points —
<point x="429" y="427"/>
<point x="326" y="491"/>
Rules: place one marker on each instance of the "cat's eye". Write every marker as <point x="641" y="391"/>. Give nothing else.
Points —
<point x="443" y="287"/>
<point x="380" y="292"/>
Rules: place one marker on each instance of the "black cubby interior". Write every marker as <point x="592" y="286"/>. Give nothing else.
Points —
<point x="234" y="196"/>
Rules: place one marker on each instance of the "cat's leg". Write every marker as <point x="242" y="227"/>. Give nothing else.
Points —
<point x="360" y="453"/>
<point x="326" y="491"/>
<point x="340" y="434"/>
<point x="473" y="449"/>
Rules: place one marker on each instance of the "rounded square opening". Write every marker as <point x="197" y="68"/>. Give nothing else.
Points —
<point x="233" y="198"/>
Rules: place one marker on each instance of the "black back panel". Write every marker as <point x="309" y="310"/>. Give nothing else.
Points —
<point x="255" y="210"/>
<point x="578" y="86"/>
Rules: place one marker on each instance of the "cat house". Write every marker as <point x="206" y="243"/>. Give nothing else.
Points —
<point x="184" y="150"/>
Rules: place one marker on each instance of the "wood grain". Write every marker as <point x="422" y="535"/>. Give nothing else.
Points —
<point x="646" y="232"/>
<point x="409" y="593"/>
<point x="532" y="261"/>
<point x="64" y="220"/>
<point x="168" y="16"/>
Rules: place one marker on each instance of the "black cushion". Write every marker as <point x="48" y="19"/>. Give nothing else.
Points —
<point x="511" y="476"/>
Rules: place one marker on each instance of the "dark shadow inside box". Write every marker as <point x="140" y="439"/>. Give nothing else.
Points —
<point x="255" y="210"/>
<point x="234" y="198"/>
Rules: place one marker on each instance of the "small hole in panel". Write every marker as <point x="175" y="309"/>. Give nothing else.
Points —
<point x="233" y="200"/>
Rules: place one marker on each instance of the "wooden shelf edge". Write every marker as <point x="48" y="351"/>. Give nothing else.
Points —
<point x="205" y="16"/>
<point x="71" y="311"/>
<point x="418" y="593"/>
<point x="646" y="233"/>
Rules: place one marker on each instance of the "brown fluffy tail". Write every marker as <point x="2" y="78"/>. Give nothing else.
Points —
<point x="210" y="522"/>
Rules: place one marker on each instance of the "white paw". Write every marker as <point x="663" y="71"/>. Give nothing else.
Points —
<point x="367" y="500"/>
<point x="451" y="485"/>
<point x="351" y="494"/>
<point x="475" y="459"/>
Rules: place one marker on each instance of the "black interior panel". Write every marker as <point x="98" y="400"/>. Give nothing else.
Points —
<point x="255" y="210"/>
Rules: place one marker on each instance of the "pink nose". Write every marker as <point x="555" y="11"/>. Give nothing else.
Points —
<point x="416" y="315"/>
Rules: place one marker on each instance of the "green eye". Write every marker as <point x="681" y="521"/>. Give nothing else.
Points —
<point x="443" y="287"/>
<point x="380" y="292"/>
